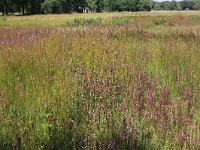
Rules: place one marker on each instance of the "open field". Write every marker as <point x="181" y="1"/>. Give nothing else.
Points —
<point x="63" y="19"/>
<point x="100" y="81"/>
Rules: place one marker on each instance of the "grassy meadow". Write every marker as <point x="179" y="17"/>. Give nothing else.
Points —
<point x="110" y="81"/>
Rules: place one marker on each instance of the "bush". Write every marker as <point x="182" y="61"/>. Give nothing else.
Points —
<point x="82" y="21"/>
<point x="120" y="20"/>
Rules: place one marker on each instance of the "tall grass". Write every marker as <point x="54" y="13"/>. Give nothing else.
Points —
<point x="119" y="84"/>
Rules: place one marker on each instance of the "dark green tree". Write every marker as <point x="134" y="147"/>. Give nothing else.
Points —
<point x="6" y="6"/>
<point x="34" y="6"/>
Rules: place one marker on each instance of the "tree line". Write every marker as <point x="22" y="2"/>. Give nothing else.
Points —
<point x="173" y="5"/>
<point x="28" y="7"/>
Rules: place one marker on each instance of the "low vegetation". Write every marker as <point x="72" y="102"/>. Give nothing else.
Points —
<point x="116" y="81"/>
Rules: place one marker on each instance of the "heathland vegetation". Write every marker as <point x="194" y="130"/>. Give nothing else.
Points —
<point x="100" y="81"/>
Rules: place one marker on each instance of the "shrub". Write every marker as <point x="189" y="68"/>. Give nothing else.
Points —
<point x="120" y="20"/>
<point x="82" y="21"/>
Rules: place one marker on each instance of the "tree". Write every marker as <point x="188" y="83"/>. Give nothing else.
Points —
<point x="187" y="4"/>
<point x="157" y="6"/>
<point x="21" y="6"/>
<point x="196" y="5"/>
<point x="51" y="6"/>
<point x="79" y="5"/>
<point x="99" y="5"/>
<point x="145" y="5"/>
<point x="35" y="6"/>
<point x="173" y="5"/>
<point x="66" y="6"/>
<point x="128" y="5"/>
<point x="6" y="6"/>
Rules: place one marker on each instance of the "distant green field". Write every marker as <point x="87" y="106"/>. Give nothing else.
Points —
<point x="100" y="81"/>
